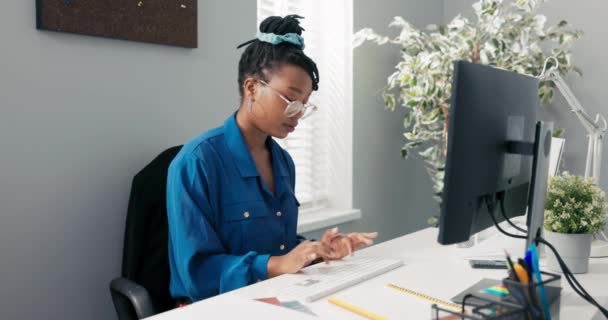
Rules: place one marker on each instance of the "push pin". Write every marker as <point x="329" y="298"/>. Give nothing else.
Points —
<point x="183" y="6"/>
<point x="141" y="3"/>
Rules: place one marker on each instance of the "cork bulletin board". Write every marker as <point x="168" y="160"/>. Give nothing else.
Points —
<point x="170" y="22"/>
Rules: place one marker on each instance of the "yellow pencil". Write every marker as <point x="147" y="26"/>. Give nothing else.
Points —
<point x="355" y="309"/>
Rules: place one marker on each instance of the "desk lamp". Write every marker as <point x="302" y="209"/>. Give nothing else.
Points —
<point x="595" y="132"/>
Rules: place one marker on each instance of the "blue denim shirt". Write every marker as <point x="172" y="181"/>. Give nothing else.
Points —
<point x="224" y="223"/>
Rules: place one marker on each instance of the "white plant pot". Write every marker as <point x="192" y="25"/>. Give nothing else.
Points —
<point x="573" y="248"/>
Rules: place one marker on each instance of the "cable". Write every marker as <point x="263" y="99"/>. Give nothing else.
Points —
<point x="569" y="276"/>
<point x="572" y="280"/>
<point x="576" y="286"/>
<point x="490" y="205"/>
<point x="504" y="215"/>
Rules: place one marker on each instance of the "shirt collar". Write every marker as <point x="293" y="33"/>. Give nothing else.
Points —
<point x="278" y="160"/>
<point x="239" y="150"/>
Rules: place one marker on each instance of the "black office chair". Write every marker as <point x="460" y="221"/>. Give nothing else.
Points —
<point x="143" y="289"/>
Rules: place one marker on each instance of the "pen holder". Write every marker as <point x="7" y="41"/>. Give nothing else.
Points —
<point x="522" y="302"/>
<point x="480" y="308"/>
<point x="529" y="296"/>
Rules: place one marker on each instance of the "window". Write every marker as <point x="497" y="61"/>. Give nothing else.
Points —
<point x="321" y="146"/>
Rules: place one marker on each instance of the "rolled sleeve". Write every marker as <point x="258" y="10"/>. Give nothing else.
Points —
<point x="260" y="267"/>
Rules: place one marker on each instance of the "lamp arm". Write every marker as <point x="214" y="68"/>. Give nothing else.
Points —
<point x="595" y="128"/>
<point x="592" y="127"/>
<point x="597" y="156"/>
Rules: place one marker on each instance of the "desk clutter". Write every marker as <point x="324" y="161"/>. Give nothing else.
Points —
<point x="526" y="293"/>
<point x="395" y="298"/>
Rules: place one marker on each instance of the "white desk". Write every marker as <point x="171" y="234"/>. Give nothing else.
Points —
<point x="430" y="268"/>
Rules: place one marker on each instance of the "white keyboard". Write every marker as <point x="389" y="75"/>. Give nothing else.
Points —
<point x="323" y="279"/>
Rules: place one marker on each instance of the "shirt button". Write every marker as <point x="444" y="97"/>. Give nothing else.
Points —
<point x="282" y="247"/>
<point x="279" y="213"/>
<point x="246" y="214"/>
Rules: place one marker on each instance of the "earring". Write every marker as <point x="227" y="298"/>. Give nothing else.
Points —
<point x="249" y="105"/>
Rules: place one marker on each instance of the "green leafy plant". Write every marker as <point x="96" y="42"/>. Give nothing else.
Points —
<point x="574" y="205"/>
<point x="559" y="133"/>
<point x="510" y="36"/>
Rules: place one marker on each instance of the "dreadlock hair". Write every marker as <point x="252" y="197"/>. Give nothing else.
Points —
<point x="261" y="57"/>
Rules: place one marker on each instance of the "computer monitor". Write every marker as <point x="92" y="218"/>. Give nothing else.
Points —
<point x="497" y="150"/>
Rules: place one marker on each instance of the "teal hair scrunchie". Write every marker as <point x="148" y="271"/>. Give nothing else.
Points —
<point x="275" y="39"/>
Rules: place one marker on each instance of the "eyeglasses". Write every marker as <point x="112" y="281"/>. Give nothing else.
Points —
<point x="294" y="107"/>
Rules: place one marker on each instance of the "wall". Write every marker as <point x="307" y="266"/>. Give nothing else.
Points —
<point x="394" y="195"/>
<point x="80" y="116"/>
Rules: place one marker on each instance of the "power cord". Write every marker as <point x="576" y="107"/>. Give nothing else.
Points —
<point x="490" y="204"/>
<point x="576" y="286"/>
<point x="572" y="280"/>
<point x="501" y="199"/>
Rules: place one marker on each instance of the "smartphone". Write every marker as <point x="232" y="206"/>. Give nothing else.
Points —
<point x="488" y="264"/>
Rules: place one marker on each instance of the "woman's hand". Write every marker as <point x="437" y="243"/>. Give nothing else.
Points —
<point x="344" y="245"/>
<point x="361" y="239"/>
<point x="299" y="257"/>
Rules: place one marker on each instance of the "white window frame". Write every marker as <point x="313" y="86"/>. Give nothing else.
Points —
<point x="328" y="39"/>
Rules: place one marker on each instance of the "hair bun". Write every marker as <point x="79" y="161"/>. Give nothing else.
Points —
<point x="282" y="25"/>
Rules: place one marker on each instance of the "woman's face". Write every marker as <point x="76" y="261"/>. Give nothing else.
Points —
<point x="268" y="109"/>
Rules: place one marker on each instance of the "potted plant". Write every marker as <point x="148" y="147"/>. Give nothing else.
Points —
<point x="508" y="35"/>
<point x="575" y="210"/>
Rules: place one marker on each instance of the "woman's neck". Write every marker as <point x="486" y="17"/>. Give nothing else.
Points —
<point x="254" y="137"/>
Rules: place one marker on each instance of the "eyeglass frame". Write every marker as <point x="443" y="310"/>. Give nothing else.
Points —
<point x="298" y="105"/>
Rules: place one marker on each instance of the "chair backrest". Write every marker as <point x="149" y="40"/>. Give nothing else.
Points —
<point x="145" y="252"/>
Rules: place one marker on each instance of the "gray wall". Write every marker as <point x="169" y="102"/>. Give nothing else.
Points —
<point x="393" y="194"/>
<point x="589" y="55"/>
<point x="79" y="117"/>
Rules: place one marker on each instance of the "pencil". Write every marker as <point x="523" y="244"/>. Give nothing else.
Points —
<point x="355" y="309"/>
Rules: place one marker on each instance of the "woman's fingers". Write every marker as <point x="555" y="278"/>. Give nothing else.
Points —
<point x="362" y="235"/>
<point x="329" y="234"/>
<point x="306" y="254"/>
<point x="325" y="248"/>
<point x="325" y="251"/>
<point x="358" y="237"/>
<point x="370" y="235"/>
<point x="347" y="246"/>
<point x="359" y="245"/>
<point x="360" y="240"/>
<point x="305" y="259"/>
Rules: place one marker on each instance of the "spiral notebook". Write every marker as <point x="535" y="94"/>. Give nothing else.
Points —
<point x="420" y="295"/>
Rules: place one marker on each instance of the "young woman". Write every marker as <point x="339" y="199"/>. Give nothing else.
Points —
<point x="231" y="204"/>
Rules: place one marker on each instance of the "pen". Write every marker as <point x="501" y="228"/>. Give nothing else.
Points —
<point x="527" y="267"/>
<point x="510" y="264"/>
<point x="528" y="260"/>
<point x="521" y="273"/>
<point x="522" y="292"/>
<point x="540" y="289"/>
<point x="355" y="309"/>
